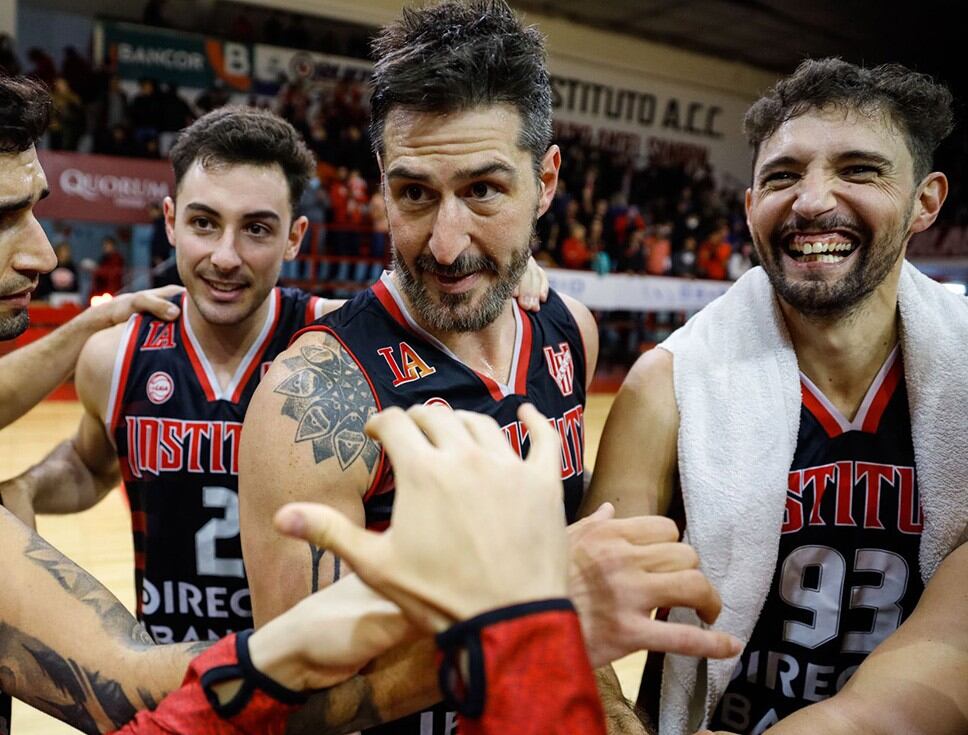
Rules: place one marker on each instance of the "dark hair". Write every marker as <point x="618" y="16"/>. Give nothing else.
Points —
<point x="24" y="112"/>
<point x="244" y="135"/>
<point x="919" y="106"/>
<point x="459" y="55"/>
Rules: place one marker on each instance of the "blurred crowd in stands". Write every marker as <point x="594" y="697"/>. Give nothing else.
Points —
<point x="611" y="213"/>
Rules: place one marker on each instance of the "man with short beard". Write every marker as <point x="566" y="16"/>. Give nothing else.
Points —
<point x="808" y="429"/>
<point x="466" y="172"/>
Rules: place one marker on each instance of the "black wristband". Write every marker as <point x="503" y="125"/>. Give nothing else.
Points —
<point x="252" y="680"/>
<point x="469" y="697"/>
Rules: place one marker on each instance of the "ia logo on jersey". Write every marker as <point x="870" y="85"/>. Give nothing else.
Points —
<point x="561" y="367"/>
<point x="161" y="336"/>
<point x="411" y="366"/>
<point x="160" y="387"/>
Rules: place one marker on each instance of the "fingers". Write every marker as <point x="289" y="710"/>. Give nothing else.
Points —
<point x="329" y="529"/>
<point x="545" y="442"/>
<point x="645" y="529"/>
<point x="440" y="425"/>
<point x="154" y="304"/>
<point x="398" y="434"/>
<point x="688" y="640"/>
<point x="688" y="588"/>
<point x="485" y="432"/>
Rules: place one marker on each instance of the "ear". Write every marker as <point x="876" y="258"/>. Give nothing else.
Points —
<point x="296" y="232"/>
<point x="748" y="205"/>
<point x="933" y="191"/>
<point x="548" y="178"/>
<point x="168" y="207"/>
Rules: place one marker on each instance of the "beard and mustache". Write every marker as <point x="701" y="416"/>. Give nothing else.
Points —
<point x="459" y="312"/>
<point x="817" y="296"/>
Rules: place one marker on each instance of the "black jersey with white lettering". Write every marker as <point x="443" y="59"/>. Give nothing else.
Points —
<point x="406" y="366"/>
<point x="847" y="573"/>
<point x="177" y="434"/>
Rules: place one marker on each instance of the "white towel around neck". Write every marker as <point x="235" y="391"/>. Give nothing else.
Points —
<point x="737" y="388"/>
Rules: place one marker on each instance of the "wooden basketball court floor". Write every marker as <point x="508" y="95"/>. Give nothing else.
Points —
<point x="100" y="539"/>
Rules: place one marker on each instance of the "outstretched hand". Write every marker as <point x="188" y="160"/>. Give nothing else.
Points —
<point x="155" y="301"/>
<point x="622" y="570"/>
<point x="474" y="526"/>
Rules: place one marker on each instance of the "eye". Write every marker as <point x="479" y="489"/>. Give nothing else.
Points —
<point x="481" y="190"/>
<point x="258" y="229"/>
<point x="413" y="193"/>
<point x="779" y="179"/>
<point x="202" y="223"/>
<point x="860" y="172"/>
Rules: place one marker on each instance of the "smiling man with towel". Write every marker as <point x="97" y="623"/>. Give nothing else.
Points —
<point x="809" y="428"/>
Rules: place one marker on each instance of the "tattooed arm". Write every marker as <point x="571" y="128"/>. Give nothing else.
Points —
<point x="79" y="471"/>
<point x="68" y="646"/>
<point x="302" y="440"/>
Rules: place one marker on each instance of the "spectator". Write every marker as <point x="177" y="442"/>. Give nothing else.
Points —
<point x="9" y="64"/>
<point x="714" y="255"/>
<point x="109" y="273"/>
<point x="212" y="98"/>
<point x="43" y="67"/>
<point x="634" y="256"/>
<point x="740" y="261"/>
<point x="574" y="250"/>
<point x="67" y="117"/>
<point x="63" y="279"/>
<point x="659" y="251"/>
<point x="684" y="261"/>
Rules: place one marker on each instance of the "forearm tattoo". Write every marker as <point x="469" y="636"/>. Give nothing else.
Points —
<point x="64" y="687"/>
<point x="330" y="400"/>
<point x="115" y="617"/>
<point x="77" y="695"/>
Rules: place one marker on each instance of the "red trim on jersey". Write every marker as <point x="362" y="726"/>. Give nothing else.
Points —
<point x="376" y="398"/>
<point x="193" y="359"/>
<point x="386" y="298"/>
<point x="815" y="406"/>
<point x="883" y="396"/>
<point x="520" y="381"/>
<point x="139" y="521"/>
<point x="139" y="563"/>
<point x="125" y="371"/>
<point x="311" y="304"/>
<point x="257" y="358"/>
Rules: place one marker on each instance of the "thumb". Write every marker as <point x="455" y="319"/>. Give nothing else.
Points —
<point x="329" y="529"/>
<point x="604" y="512"/>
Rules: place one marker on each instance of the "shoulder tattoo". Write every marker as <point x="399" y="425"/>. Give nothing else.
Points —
<point x="330" y="400"/>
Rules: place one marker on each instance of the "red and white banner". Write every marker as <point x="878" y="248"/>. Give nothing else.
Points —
<point x="103" y="188"/>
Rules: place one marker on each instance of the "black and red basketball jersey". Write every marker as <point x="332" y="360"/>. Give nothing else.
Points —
<point x="847" y="573"/>
<point x="177" y="434"/>
<point x="407" y="366"/>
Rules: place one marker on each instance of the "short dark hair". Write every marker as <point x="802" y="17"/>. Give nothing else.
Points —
<point x="459" y="55"/>
<point x="24" y="112"/>
<point x="916" y="103"/>
<point x="245" y="135"/>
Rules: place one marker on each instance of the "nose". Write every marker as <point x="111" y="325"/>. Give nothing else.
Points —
<point x="225" y="256"/>
<point x="33" y="251"/>
<point x="815" y="195"/>
<point x="450" y="236"/>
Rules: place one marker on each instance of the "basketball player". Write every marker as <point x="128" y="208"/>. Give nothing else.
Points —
<point x="461" y="123"/>
<point x="168" y="398"/>
<point x="821" y="480"/>
<point x="68" y="647"/>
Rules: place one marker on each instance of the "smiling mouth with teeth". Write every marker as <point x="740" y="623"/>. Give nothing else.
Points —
<point x="805" y="249"/>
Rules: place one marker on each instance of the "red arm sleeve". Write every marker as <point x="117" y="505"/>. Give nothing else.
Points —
<point x="262" y="706"/>
<point x="528" y="673"/>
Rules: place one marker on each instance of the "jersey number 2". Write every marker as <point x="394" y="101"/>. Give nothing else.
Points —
<point x="226" y="527"/>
